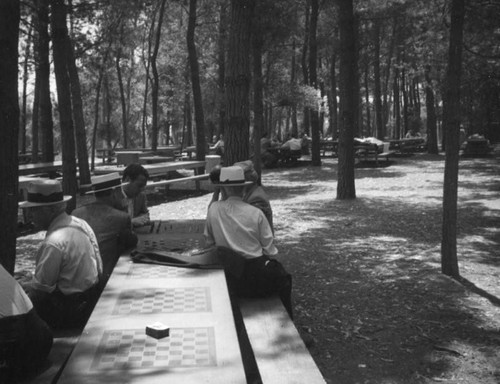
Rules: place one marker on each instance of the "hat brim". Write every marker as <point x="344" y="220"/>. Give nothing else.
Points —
<point x="29" y="204"/>
<point x="219" y="184"/>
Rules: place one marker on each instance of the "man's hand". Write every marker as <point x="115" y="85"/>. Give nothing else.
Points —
<point x="140" y="221"/>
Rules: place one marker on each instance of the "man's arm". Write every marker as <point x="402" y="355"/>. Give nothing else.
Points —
<point x="266" y="236"/>
<point x="49" y="260"/>
<point x="141" y="212"/>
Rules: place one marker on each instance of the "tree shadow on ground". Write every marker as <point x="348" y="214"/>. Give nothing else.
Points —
<point x="372" y="267"/>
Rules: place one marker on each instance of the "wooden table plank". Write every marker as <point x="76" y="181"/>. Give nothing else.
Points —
<point x="158" y="169"/>
<point x="202" y="347"/>
<point x="33" y="168"/>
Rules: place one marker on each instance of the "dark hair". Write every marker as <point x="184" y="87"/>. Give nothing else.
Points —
<point x="215" y="174"/>
<point x="133" y="171"/>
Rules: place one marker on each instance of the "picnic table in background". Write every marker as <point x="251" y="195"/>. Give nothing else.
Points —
<point x="329" y="146"/>
<point x="50" y="168"/>
<point x="106" y="154"/>
<point x="477" y="146"/>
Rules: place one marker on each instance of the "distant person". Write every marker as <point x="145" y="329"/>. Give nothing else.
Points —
<point x="25" y="339"/>
<point x="267" y="156"/>
<point x="135" y="202"/>
<point x="218" y="147"/>
<point x="242" y="232"/>
<point x="112" y="226"/>
<point x="292" y="144"/>
<point x="68" y="266"/>
<point x="409" y="134"/>
<point x="291" y="149"/>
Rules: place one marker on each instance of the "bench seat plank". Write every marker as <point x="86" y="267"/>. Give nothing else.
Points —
<point x="279" y="351"/>
<point x="176" y="180"/>
<point x="59" y="354"/>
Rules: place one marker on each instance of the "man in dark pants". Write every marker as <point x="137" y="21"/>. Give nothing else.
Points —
<point x="242" y="232"/>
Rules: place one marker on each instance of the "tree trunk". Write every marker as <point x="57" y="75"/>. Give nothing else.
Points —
<point x="397" y="106"/>
<point x="221" y="62"/>
<point x="79" y="120"/>
<point x="367" y="101"/>
<point x="334" y="118"/>
<point x="258" y="99"/>
<point x="387" y="74"/>
<point x="313" y="81"/>
<point x="293" y="70"/>
<point x="46" y="123"/>
<point x="146" y="85"/>
<point x="306" y="123"/>
<point x="237" y="82"/>
<point x="156" y="79"/>
<point x="451" y="123"/>
<point x="123" y="102"/>
<point x="379" y="118"/>
<point x="432" y="145"/>
<point x="348" y="99"/>
<point x="9" y="127"/>
<point x="405" y="102"/>
<point x="27" y="54"/>
<point x="59" y="35"/>
<point x="199" y="117"/>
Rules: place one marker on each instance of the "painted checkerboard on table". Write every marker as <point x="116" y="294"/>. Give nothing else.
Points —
<point x="163" y="300"/>
<point x="131" y="348"/>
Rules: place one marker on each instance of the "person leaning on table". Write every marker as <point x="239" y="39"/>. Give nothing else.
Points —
<point x="135" y="203"/>
<point x="242" y="233"/>
<point x="68" y="267"/>
<point x="112" y="226"/>
<point x="25" y="339"/>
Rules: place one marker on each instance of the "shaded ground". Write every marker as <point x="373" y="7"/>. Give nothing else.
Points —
<point x="369" y="298"/>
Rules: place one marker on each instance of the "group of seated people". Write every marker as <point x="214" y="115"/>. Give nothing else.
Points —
<point x="273" y="152"/>
<point x="80" y="250"/>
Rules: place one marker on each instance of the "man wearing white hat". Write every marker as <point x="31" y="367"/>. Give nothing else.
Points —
<point x="242" y="229"/>
<point x="112" y="226"/>
<point x="68" y="262"/>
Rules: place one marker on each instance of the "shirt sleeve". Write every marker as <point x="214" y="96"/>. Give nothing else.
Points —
<point x="209" y="238"/>
<point x="48" y="266"/>
<point x="143" y="205"/>
<point x="266" y="236"/>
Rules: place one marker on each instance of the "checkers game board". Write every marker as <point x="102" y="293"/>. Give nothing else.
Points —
<point x="132" y="349"/>
<point x="163" y="300"/>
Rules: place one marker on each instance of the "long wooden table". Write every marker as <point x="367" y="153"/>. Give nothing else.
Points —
<point x="154" y="170"/>
<point x="202" y="346"/>
<point x="35" y="168"/>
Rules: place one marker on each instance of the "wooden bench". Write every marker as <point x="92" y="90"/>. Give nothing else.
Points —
<point x="328" y="146"/>
<point x="63" y="345"/>
<point x="106" y="154"/>
<point x="279" y="351"/>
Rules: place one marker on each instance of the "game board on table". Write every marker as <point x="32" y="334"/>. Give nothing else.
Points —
<point x="202" y="345"/>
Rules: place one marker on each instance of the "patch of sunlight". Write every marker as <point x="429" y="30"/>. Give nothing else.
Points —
<point x="475" y="239"/>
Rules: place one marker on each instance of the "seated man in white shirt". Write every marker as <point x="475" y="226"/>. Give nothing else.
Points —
<point x="68" y="267"/>
<point x="244" y="231"/>
<point x="25" y="339"/>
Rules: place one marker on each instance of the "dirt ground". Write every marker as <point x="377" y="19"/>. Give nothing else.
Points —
<point x="369" y="298"/>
